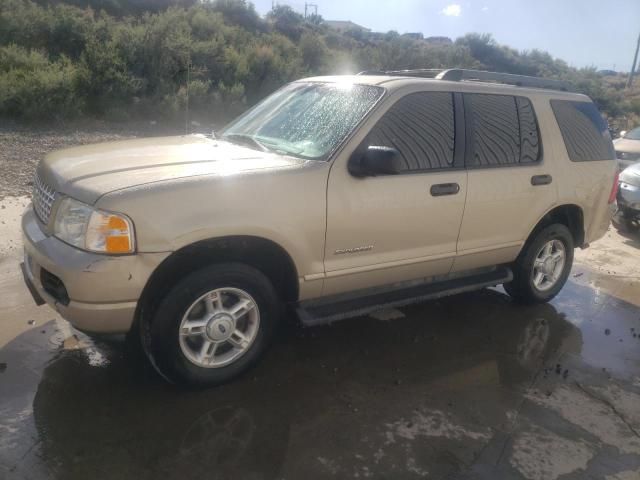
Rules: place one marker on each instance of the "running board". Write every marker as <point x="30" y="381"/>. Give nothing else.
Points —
<point x="339" y="307"/>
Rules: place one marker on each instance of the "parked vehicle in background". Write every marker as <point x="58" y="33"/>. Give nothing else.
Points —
<point x="335" y="195"/>
<point x="629" y="195"/>
<point x="628" y="148"/>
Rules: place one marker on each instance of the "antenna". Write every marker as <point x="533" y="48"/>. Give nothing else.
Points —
<point x="186" y="108"/>
<point x="633" y="65"/>
<point x="307" y="5"/>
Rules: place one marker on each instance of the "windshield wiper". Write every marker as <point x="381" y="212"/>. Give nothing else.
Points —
<point x="281" y="146"/>
<point x="243" y="139"/>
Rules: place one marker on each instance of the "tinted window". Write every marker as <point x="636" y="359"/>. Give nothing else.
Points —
<point x="502" y="130"/>
<point x="529" y="139"/>
<point x="421" y="127"/>
<point x="584" y="131"/>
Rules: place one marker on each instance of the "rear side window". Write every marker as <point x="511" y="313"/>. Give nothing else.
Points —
<point x="421" y="127"/>
<point x="529" y="136"/>
<point x="584" y="131"/>
<point x="502" y="130"/>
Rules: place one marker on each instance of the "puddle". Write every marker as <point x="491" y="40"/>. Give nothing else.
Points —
<point x="436" y="391"/>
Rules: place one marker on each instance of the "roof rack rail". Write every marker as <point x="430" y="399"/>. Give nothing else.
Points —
<point x="420" y="72"/>
<point x="460" y="74"/>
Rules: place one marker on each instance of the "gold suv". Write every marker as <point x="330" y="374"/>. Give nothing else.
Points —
<point x="336" y="195"/>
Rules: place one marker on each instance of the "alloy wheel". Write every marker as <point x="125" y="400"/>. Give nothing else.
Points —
<point x="219" y="327"/>
<point x="548" y="265"/>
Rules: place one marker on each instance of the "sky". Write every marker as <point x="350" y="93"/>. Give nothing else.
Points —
<point x="600" y="33"/>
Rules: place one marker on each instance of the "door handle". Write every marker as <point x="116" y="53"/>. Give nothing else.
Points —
<point x="441" y="189"/>
<point x="541" y="180"/>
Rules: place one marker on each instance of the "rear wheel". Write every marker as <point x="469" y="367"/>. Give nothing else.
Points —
<point x="543" y="266"/>
<point x="214" y="324"/>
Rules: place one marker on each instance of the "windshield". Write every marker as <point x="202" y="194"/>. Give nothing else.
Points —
<point x="306" y="120"/>
<point x="633" y="134"/>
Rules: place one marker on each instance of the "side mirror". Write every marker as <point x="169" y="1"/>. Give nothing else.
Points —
<point x="376" y="160"/>
<point x="623" y="133"/>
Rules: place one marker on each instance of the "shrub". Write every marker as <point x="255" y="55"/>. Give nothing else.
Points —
<point x="60" y="58"/>
<point x="314" y="52"/>
<point x="33" y="87"/>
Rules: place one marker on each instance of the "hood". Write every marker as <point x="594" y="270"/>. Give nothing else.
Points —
<point x="88" y="172"/>
<point x="627" y="145"/>
<point x="631" y="175"/>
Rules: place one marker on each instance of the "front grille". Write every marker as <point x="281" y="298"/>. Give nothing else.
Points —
<point x="43" y="198"/>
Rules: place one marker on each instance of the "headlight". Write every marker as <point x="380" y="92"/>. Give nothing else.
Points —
<point x="94" y="230"/>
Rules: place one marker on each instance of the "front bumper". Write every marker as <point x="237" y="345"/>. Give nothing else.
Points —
<point x="95" y="293"/>
<point x="629" y="196"/>
<point x="626" y="159"/>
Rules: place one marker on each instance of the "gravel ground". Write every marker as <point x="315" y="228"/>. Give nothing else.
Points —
<point x="21" y="148"/>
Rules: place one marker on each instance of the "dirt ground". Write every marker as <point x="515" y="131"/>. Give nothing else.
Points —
<point x="21" y="148"/>
<point x="469" y="387"/>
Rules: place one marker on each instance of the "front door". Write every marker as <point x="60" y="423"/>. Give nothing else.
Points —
<point x="392" y="228"/>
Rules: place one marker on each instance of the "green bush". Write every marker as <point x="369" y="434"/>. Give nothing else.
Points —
<point x="33" y="87"/>
<point x="121" y="58"/>
<point x="314" y="52"/>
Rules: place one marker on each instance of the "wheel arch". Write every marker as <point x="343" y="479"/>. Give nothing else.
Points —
<point x="569" y="215"/>
<point x="265" y="255"/>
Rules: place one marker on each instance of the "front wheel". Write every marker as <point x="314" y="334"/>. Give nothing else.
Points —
<point x="543" y="267"/>
<point x="214" y="324"/>
<point x="631" y="219"/>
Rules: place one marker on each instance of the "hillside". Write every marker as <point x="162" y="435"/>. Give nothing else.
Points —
<point x="119" y="59"/>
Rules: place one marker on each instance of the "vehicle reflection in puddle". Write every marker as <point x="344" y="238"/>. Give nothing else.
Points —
<point x="436" y="392"/>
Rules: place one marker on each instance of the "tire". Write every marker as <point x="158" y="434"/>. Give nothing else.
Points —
<point x="525" y="288"/>
<point x="627" y="213"/>
<point x="201" y="306"/>
<point x="631" y="219"/>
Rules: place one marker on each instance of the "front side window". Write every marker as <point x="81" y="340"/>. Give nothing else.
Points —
<point x="420" y="126"/>
<point x="304" y="119"/>
<point x="585" y="132"/>
<point x="502" y="130"/>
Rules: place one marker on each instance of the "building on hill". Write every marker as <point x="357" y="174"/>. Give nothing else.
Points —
<point x="439" y="40"/>
<point x="345" y="25"/>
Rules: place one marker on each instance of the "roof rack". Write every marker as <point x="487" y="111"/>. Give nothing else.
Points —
<point x="459" y="74"/>
<point x="420" y="72"/>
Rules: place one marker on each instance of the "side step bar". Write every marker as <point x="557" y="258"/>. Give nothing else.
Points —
<point x="339" y="307"/>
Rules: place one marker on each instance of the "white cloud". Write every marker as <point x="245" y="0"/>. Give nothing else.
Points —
<point x="453" y="10"/>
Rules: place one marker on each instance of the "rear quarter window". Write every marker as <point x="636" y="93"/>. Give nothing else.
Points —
<point x="584" y="131"/>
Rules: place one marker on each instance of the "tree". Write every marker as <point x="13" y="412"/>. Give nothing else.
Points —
<point x="314" y="51"/>
<point x="286" y="21"/>
<point x="239" y="12"/>
<point x="315" y="19"/>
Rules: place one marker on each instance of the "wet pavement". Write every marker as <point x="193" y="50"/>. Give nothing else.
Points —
<point x="470" y="387"/>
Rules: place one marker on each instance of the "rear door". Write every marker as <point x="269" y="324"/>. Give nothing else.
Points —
<point x="392" y="228"/>
<point x="510" y="179"/>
